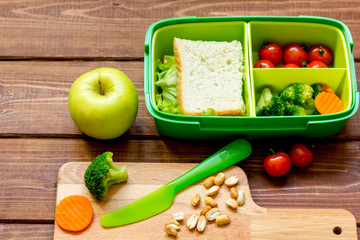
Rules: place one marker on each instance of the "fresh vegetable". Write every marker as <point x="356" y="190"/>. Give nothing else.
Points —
<point x="263" y="63"/>
<point x="320" y="53"/>
<point x="317" y="89"/>
<point x="209" y="112"/>
<point x="300" y="155"/>
<point x="316" y="64"/>
<point x="290" y="65"/>
<point x="271" y="52"/>
<point x="277" y="164"/>
<point x="166" y="98"/>
<point x="299" y="94"/>
<point x="74" y="213"/>
<point x="327" y="88"/>
<point x="294" y="53"/>
<point x="102" y="173"/>
<point x="327" y="103"/>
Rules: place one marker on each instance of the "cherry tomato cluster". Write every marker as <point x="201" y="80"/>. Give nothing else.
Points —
<point x="278" y="164"/>
<point x="294" y="56"/>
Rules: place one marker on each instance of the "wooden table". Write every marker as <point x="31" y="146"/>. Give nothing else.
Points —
<point x="46" y="44"/>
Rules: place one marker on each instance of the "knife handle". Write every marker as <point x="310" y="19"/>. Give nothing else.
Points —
<point x="225" y="157"/>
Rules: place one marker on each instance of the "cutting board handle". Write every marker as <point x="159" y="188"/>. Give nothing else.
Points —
<point x="230" y="154"/>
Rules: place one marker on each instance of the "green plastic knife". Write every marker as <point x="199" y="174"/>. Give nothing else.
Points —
<point x="162" y="198"/>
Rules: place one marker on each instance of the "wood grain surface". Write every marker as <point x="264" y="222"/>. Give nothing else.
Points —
<point x="46" y="44"/>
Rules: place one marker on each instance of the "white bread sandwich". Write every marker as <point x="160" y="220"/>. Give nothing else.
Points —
<point x="210" y="75"/>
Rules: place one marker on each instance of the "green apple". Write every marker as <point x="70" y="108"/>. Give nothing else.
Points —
<point x="103" y="103"/>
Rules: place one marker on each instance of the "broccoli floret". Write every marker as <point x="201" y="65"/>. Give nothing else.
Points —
<point x="102" y="173"/>
<point x="294" y="110"/>
<point x="317" y="89"/>
<point x="269" y="105"/>
<point x="297" y="93"/>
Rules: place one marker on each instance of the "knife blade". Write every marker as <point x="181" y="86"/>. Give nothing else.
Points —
<point x="163" y="197"/>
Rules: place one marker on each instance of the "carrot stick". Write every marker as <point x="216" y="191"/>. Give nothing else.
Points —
<point x="327" y="88"/>
<point x="327" y="103"/>
<point x="74" y="213"/>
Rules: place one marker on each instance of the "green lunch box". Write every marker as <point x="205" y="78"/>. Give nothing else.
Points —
<point x="251" y="32"/>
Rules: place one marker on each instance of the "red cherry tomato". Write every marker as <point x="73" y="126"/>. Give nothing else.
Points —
<point x="317" y="64"/>
<point x="264" y="64"/>
<point x="278" y="164"/>
<point x="300" y="155"/>
<point x="271" y="52"/>
<point x="293" y="53"/>
<point x="320" y="53"/>
<point x="290" y="65"/>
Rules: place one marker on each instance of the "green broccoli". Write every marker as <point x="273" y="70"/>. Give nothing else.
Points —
<point x="294" y="110"/>
<point x="102" y="173"/>
<point x="269" y="105"/>
<point x="297" y="93"/>
<point x="317" y="89"/>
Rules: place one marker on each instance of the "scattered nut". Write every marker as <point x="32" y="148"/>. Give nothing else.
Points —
<point x="206" y="208"/>
<point x="232" y="203"/>
<point x="201" y="224"/>
<point x="219" y="179"/>
<point x="241" y="198"/>
<point x="192" y="221"/>
<point x="222" y="219"/>
<point x="171" y="231"/>
<point x="234" y="192"/>
<point x="178" y="216"/>
<point x="213" y="190"/>
<point x="196" y="200"/>
<point x="173" y="223"/>
<point x="231" y="181"/>
<point x="212" y="214"/>
<point x="211" y="202"/>
<point x="209" y="182"/>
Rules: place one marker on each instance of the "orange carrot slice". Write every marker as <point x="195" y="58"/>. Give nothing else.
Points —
<point x="327" y="103"/>
<point x="74" y="213"/>
<point x="327" y="88"/>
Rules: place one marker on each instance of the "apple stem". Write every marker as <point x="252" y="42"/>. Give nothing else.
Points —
<point x="101" y="90"/>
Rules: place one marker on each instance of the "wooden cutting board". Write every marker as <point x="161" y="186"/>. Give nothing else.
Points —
<point x="247" y="222"/>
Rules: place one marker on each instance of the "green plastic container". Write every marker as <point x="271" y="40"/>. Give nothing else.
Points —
<point x="251" y="32"/>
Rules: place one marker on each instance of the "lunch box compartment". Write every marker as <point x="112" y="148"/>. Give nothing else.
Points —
<point x="210" y="31"/>
<point x="252" y="32"/>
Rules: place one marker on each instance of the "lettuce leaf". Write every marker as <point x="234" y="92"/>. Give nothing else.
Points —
<point x="166" y="98"/>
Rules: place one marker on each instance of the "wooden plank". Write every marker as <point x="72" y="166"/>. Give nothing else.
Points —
<point x="69" y="28"/>
<point x="29" y="167"/>
<point x="26" y="231"/>
<point x="33" y="99"/>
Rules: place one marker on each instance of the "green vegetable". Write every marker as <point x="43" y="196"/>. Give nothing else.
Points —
<point x="209" y="112"/>
<point x="317" y="89"/>
<point x="269" y="105"/>
<point x="294" y="110"/>
<point x="297" y="93"/>
<point x="166" y="98"/>
<point x="102" y="173"/>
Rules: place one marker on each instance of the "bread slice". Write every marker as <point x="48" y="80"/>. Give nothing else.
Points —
<point x="209" y="76"/>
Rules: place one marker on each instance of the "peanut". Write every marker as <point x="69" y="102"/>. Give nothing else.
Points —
<point x="232" y="203"/>
<point x="195" y="201"/>
<point x="219" y="179"/>
<point x="209" y="182"/>
<point x="231" y="181"/>
<point x="241" y="198"/>
<point x="222" y="219"/>
<point x="212" y="191"/>
<point x="212" y="214"/>
<point x="211" y="202"/>
<point x="192" y="221"/>
<point x="205" y="209"/>
<point x="178" y="216"/>
<point x="171" y="231"/>
<point x="234" y="192"/>
<point x="173" y="223"/>
<point x="201" y="224"/>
